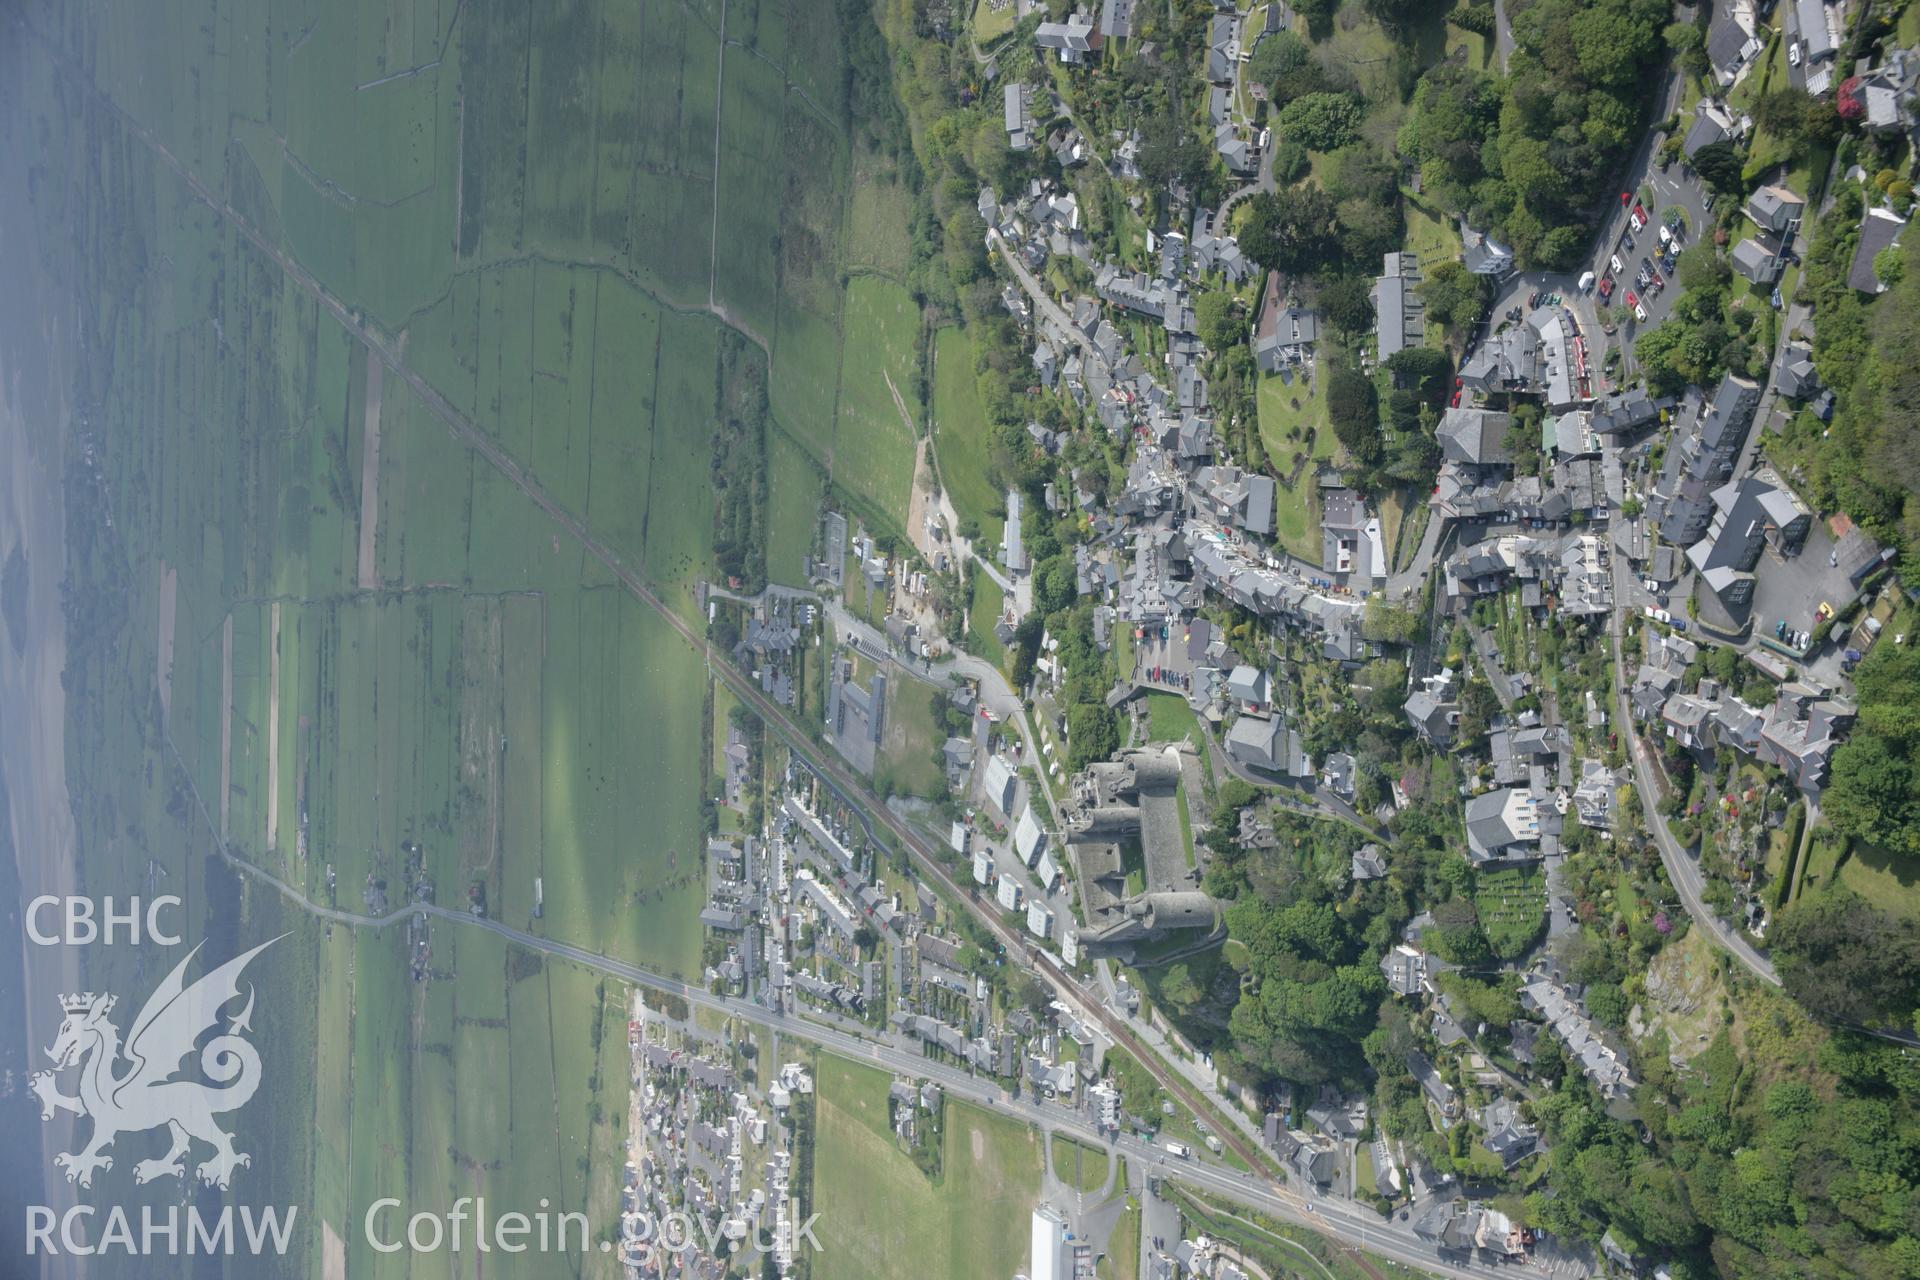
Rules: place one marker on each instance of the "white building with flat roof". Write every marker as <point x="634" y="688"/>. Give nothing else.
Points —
<point x="1052" y="1256"/>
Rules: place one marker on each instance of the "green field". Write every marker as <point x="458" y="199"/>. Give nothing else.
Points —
<point x="877" y="1208"/>
<point x="379" y="635"/>
<point x="797" y="487"/>
<point x="1886" y="880"/>
<point x="1170" y="719"/>
<point x="879" y="217"/>
<point x="1079" y="1165"/>
<point x="988" y="599"/>
<point x="911" y="741"/>
<point x="961" y="436"/>
<point x="1430" y="237"/>
<point x="990" y="23"/>
<point x="1298" y="437"/>
<point x="872" y="448"/>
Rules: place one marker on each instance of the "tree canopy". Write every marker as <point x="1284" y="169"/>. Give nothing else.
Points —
<point x="1875" y="791"/>
<point x="1847" y="960"/>
<point x="1530" y="153"/>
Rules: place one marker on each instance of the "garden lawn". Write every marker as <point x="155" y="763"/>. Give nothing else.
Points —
<point x="1288" y="413"/>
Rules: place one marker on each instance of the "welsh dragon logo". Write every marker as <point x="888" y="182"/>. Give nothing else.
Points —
<point x="146" y="1095"/>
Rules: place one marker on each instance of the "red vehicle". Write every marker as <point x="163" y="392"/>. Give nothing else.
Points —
<point x="1631" y="300"/>
<point x="1455" y="402"/>
<point x="1606" y="286"/>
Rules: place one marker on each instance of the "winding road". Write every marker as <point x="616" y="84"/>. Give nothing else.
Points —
<point x="1682" y="870"/>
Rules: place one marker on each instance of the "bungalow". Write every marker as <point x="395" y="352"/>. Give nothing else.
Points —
<point x="1337" y="774"/>
<point x="1369" y="862"/>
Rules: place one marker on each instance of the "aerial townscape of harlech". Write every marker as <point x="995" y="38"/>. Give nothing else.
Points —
<point x="959" y="639"/>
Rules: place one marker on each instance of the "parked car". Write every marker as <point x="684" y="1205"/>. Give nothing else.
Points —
<point x="1656" y="614"/>
<point x="1793" y="54"/>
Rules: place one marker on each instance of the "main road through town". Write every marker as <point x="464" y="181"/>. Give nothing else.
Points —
<point x="1350" y="1225"/>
